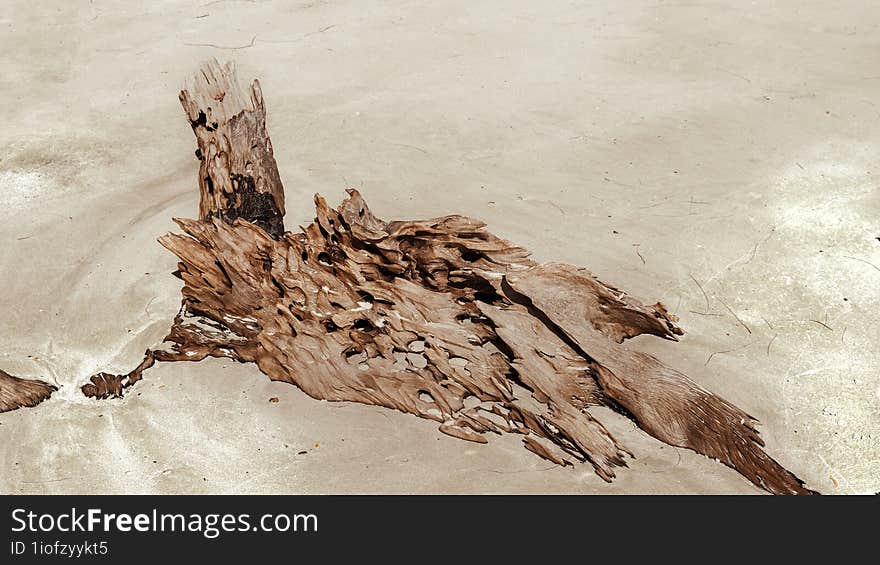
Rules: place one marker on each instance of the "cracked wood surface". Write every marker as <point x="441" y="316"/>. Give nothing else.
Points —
<point x="438" y="318"/>
<point x="238" y="177"/>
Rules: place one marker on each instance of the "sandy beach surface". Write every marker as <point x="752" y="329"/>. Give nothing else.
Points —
<point x="721" y="157"/>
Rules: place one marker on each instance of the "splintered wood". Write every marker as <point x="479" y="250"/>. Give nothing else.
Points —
<point x="438" y="318"/>
<point x="19" y="393"/>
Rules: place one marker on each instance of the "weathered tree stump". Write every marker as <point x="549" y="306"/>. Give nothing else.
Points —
<point x="238" y="177"/>
<point x="438" y="318"/>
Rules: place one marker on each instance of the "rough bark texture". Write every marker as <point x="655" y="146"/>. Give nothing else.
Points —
<point x="238" y="177"/>
<point x="438" y="318"/>
<point x="16" y="392"/>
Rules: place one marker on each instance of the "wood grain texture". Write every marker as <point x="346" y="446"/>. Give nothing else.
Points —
<point x="16" y="392"/>
<point x="238" y="176"/>
<point x="663" y="402"/>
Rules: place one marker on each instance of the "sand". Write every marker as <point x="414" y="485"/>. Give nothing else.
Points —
<point x="665" y="146"/>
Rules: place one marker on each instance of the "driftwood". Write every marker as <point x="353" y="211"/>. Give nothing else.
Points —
<point x="437" y="318"/>
<point x="17" y="393"/>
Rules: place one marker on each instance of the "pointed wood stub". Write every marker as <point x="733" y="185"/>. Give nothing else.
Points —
<point x="238" y="176"/>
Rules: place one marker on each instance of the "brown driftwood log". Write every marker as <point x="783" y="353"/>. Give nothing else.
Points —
<point x="438" y="318"/>
<point x="17" y="393"/>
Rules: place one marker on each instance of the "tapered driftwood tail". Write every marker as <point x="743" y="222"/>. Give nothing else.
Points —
<point x="16" y="392"/>
<point x="438" y="318"/>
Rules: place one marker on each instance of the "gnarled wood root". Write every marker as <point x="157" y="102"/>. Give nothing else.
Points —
<point x="106" y="385"/>
<point x="441" y="319"/>
<point x="437" y="318"/>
